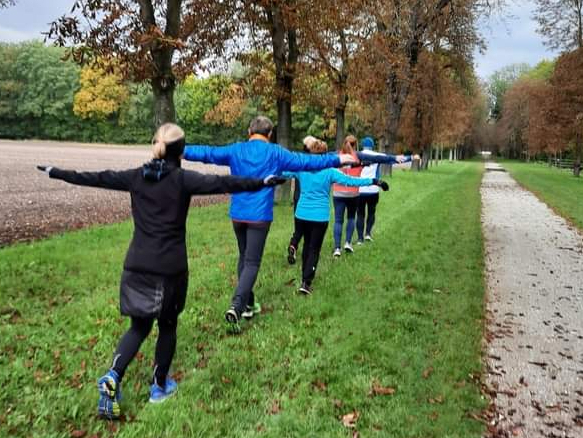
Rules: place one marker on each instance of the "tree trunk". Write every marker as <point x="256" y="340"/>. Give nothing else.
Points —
<point x="578" y="153"/>
<point x="397" y="93"/>
<point x="340" y="114"/>
<point x="451" y="155"/>
<point x="284" y="114"/>
<point x="163" y="90"/>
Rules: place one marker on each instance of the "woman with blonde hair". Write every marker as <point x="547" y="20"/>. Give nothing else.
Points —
<point x="313" y="210"/>
<point x="155" y="275"/>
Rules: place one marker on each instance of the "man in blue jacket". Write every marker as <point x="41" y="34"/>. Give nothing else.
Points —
<point x="252" y="213"/>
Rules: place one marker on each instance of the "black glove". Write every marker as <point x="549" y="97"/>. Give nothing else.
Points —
<point x="382" y="184"/>
<point x="45" y="169"/>
<point x="273" y="180"/>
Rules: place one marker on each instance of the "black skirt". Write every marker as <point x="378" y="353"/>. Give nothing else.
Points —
<point x="152" y="296"/>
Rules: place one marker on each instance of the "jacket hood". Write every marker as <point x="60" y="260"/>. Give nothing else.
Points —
<point x="156" y="170"/>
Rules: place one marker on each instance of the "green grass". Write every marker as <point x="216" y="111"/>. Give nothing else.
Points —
<point x="405" y="312"/>
<point x="558" y="188"/>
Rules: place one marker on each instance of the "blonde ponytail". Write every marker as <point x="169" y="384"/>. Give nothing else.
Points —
<point x="166" y="134"/>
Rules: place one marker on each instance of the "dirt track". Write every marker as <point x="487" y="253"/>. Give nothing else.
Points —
<point x="33" y="206"/>
<point x="534" y="262"/>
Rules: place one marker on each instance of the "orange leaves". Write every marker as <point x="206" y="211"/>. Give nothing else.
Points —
<point x="230" y="108"/>
<point x="378" y="389"/>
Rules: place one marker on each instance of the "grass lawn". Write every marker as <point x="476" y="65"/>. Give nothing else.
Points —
<point x="558" y="188"/>
<point x="404" y="312"/>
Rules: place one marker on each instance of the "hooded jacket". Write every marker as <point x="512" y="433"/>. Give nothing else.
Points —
<point x="160" y="195"/>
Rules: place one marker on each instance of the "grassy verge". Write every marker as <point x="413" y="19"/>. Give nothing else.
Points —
<point x="403" y="313"/>
<point x="558" y="188"/>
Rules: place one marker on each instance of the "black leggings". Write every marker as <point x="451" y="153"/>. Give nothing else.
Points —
<point x="251" y="239"/>
<point x="130" y="343"/>
<point x="314" y="233"/>
<point x="366" y="202"/>
<point x="173" y="300"/>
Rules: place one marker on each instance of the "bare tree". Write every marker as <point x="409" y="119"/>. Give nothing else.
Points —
<point x="560" y="22"/>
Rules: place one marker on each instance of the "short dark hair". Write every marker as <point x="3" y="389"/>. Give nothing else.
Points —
<point x="260" y="125"/>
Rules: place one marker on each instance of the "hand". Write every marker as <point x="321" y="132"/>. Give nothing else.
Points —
<point x="355" y="164"/>
<point x="273" y="180"/>
<point x="45" y="169"/>
<point x="401" y="158"/>
<point x="347" y="159"/>
<point x="382" y="184"/>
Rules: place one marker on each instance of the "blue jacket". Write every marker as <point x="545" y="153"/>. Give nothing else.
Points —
<point x="257" y="158"/>
<point x="314" y="203"/>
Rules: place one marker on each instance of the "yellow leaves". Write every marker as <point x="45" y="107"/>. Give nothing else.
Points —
<point x="102" y="93"/>
<point x="230" y="108"/>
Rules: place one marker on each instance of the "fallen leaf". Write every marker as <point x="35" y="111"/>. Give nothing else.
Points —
<point x="318" y="384"/>
<point x="355" y="434"/>
<point x="378" y="389"/>
<point x="350" y="419"/>
<point x="437" y="400"/>
<point x="337" y="403"/>
<point x="434" y="416"/>
<point x="275" y="407"/>
<point x="78" y="433"/>
<point x="427" y="372"/>
<point x="226" y="380"/>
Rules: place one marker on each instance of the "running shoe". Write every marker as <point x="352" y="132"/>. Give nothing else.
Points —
<point x="359" y="242"/>
<point x="368" y="238"/>
<point x="232" y="319"/>
<point x="109" y="395"/>
<point x="291" y="254"/>
<point x="348" y="247"/>
<point x="305" y="288"/>
<point x="251" y="311"/>
<point x="159" y="394"/>
<point x="337" y="253"/>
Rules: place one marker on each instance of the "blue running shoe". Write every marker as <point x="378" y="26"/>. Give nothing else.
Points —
<point x="109" y="396"/>
<point x="159" y="394"/>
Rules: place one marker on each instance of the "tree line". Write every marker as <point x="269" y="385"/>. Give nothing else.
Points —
<point x="403" y="69"/>
<point x="538" y="112"/>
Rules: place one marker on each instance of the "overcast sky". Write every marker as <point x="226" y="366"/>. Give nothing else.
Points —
<point x="509" y="42"/>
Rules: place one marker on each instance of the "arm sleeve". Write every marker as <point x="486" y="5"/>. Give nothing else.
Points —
<point x="295" y="161"/>
<point x="201" y="184"/>
<point x="346" y="180"/>
<point x="377" y="158"/>
<point x="220" y="155"/>
<point x="107" y="179"/>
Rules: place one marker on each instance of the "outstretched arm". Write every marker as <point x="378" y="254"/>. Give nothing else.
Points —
<point x="295" y="161"/>
<point x="220" y="155"/>
<point x="107" y="179"/>
<point x="346" y="180"/>
<point x="380" y="158"/>
<point x="201" y="184"/>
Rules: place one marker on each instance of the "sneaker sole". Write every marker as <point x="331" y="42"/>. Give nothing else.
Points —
<point x="304" y="291"/>
<point x="291" y="258"/>
<point x="108" y="407"/>
<point x="232" y="324"/>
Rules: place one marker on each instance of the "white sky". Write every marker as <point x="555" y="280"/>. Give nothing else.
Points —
<point x="509" y="42"/>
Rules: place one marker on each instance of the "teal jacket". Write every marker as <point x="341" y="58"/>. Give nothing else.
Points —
<point x="314" y="202"/>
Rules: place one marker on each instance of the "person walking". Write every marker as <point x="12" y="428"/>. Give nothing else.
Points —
<point x="297" y="235"/>
<point x="369" y="195"/>
<point x="155" y="273"/>
<point x="313" y="210"/>
<point x="252" y="213"/>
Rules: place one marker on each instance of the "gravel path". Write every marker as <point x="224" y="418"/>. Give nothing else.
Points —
<point x="33" y="206"/>
<point x="534" y="262"/>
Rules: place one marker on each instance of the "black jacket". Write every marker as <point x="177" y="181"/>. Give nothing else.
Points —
<point x="160" y="194"/>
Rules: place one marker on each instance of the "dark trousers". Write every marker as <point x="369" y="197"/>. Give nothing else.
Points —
<point x="366" y="202"/>
<point x="251" y="239"/>
<point x="313" y="233"/>
<point x="297" y="234"/>
<point x="172" y="304"/>
<point x="340" y="206"/>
